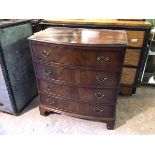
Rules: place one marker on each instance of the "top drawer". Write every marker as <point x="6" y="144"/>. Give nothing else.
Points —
<point x="67" y="55"/>
<point x="135" y="38"/>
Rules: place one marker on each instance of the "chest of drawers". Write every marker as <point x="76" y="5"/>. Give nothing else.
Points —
<point x="78" y="71"/>
<point x="137" y="35"/>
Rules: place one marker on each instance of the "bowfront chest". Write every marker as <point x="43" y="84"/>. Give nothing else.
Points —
<point x="79" y="71"/>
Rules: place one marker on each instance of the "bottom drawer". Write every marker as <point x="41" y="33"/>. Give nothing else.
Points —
<point x="87" y="109"/>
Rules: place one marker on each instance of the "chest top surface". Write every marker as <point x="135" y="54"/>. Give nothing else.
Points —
<point x="81" y="36"/>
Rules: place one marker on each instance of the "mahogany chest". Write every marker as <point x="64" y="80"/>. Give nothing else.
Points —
<point x="78" y="71"/>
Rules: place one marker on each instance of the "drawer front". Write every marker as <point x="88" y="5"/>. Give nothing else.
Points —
<point x="105" y="58"/>
<point x="128" y="75"/>
<point x="84" y="77"/>
<point x="135" y="38"/>
<point x="78" y="93"/>
<point x="132" y="57"/>
<point x="87" y="109"/>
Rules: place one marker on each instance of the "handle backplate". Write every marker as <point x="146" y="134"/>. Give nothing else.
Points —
<point x="101" y="78"/>
<point x="48" y="72"/>
<point x="99" y="95"/>
<point x="45" y="53"/>
<point x="102" y="59"/>
<point x="98" y="110"/>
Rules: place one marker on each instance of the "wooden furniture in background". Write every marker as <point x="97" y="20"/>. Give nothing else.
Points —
<point x="137" y="34"/>
<point x="78" y="71"/>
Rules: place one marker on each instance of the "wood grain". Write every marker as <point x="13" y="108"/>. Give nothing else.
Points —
<point x="125" y="90"/>
<point x="78" y="71"/>
<point x="77" y="77"/>
<point x="112" y="22"/>
<point x="81" y="36"/>
<point x="138" y="35"/>
<point x="83" y="94"/>
<point x="88" y="109"/>
<point x="132" y="57"/>
<point x="67" y="55"/>
<point x="128" y="76"/>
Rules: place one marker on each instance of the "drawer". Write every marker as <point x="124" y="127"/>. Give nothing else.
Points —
<point x="132" y="57"/>
<point x="135" y="38"/>
<point x="128" y="75"/>
<point x="78" y="93"/>
<point x="87" y="109"/>
<point x="86" y="56"/>
<point x="80" y="77"/>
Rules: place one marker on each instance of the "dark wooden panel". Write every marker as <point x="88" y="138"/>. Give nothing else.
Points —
<point x="85" y="77"/>
<point x="79" y="93"/>
<point x="67" y="55"/>
<point x="88" y="109"/>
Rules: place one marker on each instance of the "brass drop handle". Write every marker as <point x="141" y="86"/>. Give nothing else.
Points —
<point x="101" y="78"/>
<point x="45" y="53"/>
<point x="98" y="110"/>
<point x="50" y="102"/>
<point x="48" y="72"/>
<point x="1" y="104"/>
<point x="102" y="59"/>
<point x="99" y="95"/>
<point x="49" y="88"/>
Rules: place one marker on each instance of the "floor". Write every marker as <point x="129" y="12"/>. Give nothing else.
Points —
<point x="135" y="115"/>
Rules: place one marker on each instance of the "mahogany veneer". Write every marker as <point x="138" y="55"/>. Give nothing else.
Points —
<point x="79" y="71"/>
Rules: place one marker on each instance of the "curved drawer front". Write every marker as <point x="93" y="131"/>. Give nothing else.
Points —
<point x="84" y="77"/>
<point x="87" y="109"/>
<point x="68" y="55"/>
<point x="78" y="93"/>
